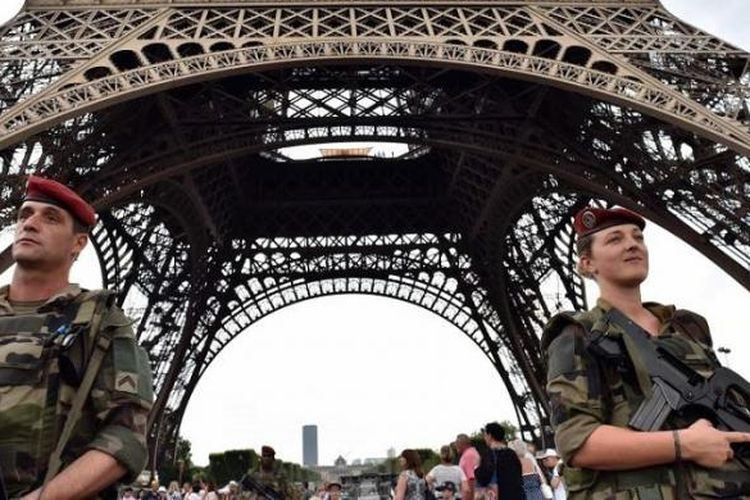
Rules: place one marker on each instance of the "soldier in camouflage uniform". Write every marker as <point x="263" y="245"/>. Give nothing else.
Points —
<point x="56" y="338"/>
<point x="592" y="401"/>
<point x="270" y="475"/>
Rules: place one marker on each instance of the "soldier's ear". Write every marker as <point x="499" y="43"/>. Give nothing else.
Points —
<point x="585" y="267"/>
<point x="81" y="240"/>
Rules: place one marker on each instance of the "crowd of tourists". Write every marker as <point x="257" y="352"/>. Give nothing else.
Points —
<point x="492" y="470"/>
<point x="499" y="470"/>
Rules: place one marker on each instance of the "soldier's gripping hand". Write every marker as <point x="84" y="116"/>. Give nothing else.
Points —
<point x="707" y="446"/>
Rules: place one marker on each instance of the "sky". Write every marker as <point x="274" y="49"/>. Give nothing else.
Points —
<point x="375" y="373"/>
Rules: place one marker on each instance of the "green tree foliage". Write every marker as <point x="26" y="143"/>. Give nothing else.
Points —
<point x="428" y="457"/>
<point x="511" y="431"/>
<point x="178" y="466"/>
<point x="231" y="464"/>
<point x="390" y="466"/>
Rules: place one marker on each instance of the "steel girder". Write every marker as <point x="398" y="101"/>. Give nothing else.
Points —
<point x="173" y="118"/>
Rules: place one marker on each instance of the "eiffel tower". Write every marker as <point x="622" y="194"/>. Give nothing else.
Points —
<point x="179" y="119"/>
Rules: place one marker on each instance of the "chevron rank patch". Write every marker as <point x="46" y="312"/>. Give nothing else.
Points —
<point x="126" y="382"/>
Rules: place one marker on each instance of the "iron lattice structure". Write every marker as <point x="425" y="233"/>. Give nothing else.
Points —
<point x="175" y="117"/>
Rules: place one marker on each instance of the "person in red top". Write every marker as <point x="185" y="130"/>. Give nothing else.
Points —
<point x="468" y="462"/>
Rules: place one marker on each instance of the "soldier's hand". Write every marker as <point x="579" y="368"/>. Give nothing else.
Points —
<point x="707" y="446"/>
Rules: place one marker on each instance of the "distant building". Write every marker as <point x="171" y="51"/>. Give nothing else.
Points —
<point x="373" y="461"/>
<point x="310" y="445"/>
<point x="391" y="453"/>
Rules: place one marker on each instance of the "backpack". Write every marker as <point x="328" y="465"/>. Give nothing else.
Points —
<point x="487" y="466"/>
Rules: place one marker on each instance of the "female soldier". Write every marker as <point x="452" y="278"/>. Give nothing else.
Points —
<point x="592" y="400"/>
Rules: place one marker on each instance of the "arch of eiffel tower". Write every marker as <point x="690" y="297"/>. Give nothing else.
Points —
<point x="176" y="118"/>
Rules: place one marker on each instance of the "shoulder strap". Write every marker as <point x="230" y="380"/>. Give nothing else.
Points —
<point x="640" y="349"/>
<point x="89" y="307"/>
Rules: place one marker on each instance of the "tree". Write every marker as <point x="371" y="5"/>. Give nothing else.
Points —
<point x="428" y="458"/>
<point x="177" y="467"/>
<point x="231" y="465"/>
<point x="511" y="431"/>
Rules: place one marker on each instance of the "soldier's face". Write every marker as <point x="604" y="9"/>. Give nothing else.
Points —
<point x="618" y="256"/>
<point x="45" y="238"/>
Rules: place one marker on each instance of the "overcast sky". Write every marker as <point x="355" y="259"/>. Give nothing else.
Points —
<point x="375" y="373"/>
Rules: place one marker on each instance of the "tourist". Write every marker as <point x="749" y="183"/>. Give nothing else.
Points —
<point x="447" y="490"/>
<point x="446" y="471"/>
<point x="551" y="461"/>
<point x="153" y="493"/>
<point x="127" y="494"/>
<point x="532" y="479"/>
<point x="333" y="491"/>
<point x="468" y="462"/>
<point x="211" y="491"/>
<point x="174" y="491"/>
<point x="195" y="492"/>
<point x="411" y="484"/>
<point x="507" y="475"/>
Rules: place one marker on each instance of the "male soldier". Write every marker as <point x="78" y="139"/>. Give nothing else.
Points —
<point x="593" y="399"/>
<point x="75" y="389"/>
<point x="270" y="476"/>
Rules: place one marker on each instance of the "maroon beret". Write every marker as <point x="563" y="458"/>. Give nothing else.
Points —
<point x="591" y="219"/>
<point x="54" y="193"/>
<point x="267" y="451"/>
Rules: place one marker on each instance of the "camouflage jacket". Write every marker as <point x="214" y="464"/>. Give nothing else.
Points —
<point x="585" y="392"/>
<point x="276" y="480"/>
<point x="39" y="378"/>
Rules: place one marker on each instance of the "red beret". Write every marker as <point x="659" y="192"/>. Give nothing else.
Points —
<point x="591" y="219"/>
<point x="54" y="193"/>
<point x="267" y="451"/>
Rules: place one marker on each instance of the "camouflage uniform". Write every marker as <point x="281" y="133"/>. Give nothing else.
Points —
<point x="585" y="392"/>
<point x="39" y="377"/>
<point x="276" y="480"/>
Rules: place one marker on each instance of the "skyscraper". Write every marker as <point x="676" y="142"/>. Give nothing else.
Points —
<point x="310" y="445"/>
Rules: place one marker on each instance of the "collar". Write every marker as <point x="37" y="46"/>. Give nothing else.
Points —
<point x="71" y="291"/>
<point x="664" y="313"/>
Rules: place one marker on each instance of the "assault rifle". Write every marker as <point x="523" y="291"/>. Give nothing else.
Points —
<point x="721" y="398"/>
<point x="249" y="483"/>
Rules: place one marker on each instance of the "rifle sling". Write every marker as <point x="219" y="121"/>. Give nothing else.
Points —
<point x="647" y="350"/>
<point x="640" y="340"/>
<point x="101" y="345"/>
<point x="639" y="337"/>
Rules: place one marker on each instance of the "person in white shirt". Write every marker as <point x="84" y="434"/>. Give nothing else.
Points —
<point x="447" y="472"/>
<point x="551" y="460"/>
